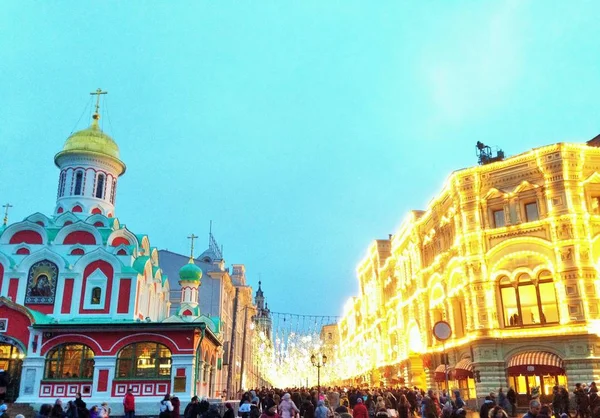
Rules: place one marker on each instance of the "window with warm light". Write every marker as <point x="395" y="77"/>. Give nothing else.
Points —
<point x="10" y="358"/>
<point x="595" y="205"/>
<point x="96" y="296"/>
<point x="144" y="360"/>
<point x="70" y="361"/>
<point x="529" y="303"/>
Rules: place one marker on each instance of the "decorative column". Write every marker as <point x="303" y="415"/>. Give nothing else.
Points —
<point x="104" y="373"/>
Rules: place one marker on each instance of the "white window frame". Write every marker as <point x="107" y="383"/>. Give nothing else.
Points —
<point x="96" y="279"/>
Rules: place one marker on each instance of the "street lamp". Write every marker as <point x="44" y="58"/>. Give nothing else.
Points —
<point x="318" y="363"/>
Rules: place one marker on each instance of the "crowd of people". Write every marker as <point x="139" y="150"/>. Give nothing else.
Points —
<point x="336" y="402"/>
<point x="76" y="408"/>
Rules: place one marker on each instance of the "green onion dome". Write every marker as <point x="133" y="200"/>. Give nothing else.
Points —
<point x="190" y="272"/>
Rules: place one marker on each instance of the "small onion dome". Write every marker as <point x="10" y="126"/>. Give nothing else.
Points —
<point x="91" y="141"/>
<point x="190" y="273"/>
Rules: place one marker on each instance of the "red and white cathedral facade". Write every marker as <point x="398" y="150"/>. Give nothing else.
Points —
<point x="84" y="306"/>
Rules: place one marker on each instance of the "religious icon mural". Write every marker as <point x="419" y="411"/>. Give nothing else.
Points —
<point x="41" y="283"/>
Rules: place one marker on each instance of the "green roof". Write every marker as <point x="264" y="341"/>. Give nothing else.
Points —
<point x="40" y="318"/>
<point x="190" y="272"/>
<point x="140" y="263"/>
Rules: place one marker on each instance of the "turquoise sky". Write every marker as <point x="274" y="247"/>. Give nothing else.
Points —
<point x="303" y="129"/>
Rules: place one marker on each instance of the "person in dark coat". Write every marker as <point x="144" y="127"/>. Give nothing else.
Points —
<point x="3" y="384"/>
<point x="254" y="411"/>
<point x="228" y="411"/>
<point x="307" y="410"/>
<point x="192" y="410"/>
<point x="81" y="406"/>
<point x="511" y="397"/>
<point x="204" y="405"/>
<point x="57" y="410"/>
<point x="213" y="412"/>
<point x="176" y="406"/>
<point x="488" y="404"/>
<point x="582" y="402"/>
<point x="72" y="411"/>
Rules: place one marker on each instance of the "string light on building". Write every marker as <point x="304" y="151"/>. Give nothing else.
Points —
<point x="508" y="254"/>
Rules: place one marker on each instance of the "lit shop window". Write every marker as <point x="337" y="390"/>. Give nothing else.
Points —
<point x="70" y="361"/>
<point x="527" y="303"/>
<point x="145" y="360"/>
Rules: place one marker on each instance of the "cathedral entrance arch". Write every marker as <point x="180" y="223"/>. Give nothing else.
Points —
<point x="11" y="363"/>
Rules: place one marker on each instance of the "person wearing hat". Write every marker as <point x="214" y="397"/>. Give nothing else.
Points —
<point x="360" y="410"/>
<point x="488" y="404"/>
<point x="534" y="409"/>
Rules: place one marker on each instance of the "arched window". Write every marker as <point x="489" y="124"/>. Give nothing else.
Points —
<point x="96" y="296"/>
<point x="459" y="316"/>
<point x="100" y="186"/>
<point x="113" y="190"/>
<point x="61" y="184"/>
<point x="78" y="183"/>
<point x="529" y="303"/>
<point x="70" y="361"/>
<point x="144" y="360"/>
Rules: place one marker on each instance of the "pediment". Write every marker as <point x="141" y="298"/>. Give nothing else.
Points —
<point x="594" y="178"/>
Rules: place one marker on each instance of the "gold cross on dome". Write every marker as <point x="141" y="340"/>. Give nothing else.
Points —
<point x="192" y="238"/>
<point x="6" y="208"/>
<point x="98" y="92"/>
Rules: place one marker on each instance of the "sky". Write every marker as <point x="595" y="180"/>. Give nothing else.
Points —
<point x="303" y="129"/>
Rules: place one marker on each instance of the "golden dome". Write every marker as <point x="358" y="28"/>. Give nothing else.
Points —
<point x="94" y="140"/>
<point x="91" y="141"/>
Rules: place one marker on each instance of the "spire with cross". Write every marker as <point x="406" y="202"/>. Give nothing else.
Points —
<point x="6" y="208"/>
<point x="97" y="93"/>
<point x="192" y="238"/>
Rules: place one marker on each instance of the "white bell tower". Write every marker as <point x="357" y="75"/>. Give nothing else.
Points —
<point x="89" y="170"/>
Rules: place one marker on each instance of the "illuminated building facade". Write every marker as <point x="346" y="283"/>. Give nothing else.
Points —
<point x="508" y="254"/>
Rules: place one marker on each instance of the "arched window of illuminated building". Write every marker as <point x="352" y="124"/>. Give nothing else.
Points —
<point x="459" y="318"/>
<point x="78" y="183"/>
<point x="144" y="360"/>
<point x="529" y="302"/>
<point x="70" y="361"/>
<point x="437" y="306"/>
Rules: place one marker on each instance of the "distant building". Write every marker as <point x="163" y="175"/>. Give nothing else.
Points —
<point x="262" y="318"/>
<point x="217" y="299"/>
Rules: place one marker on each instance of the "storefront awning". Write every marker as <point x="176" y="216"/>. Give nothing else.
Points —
<point x="535" y="362"/>
<point x="463" y="369"/>
<point x="440" y="373"/>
